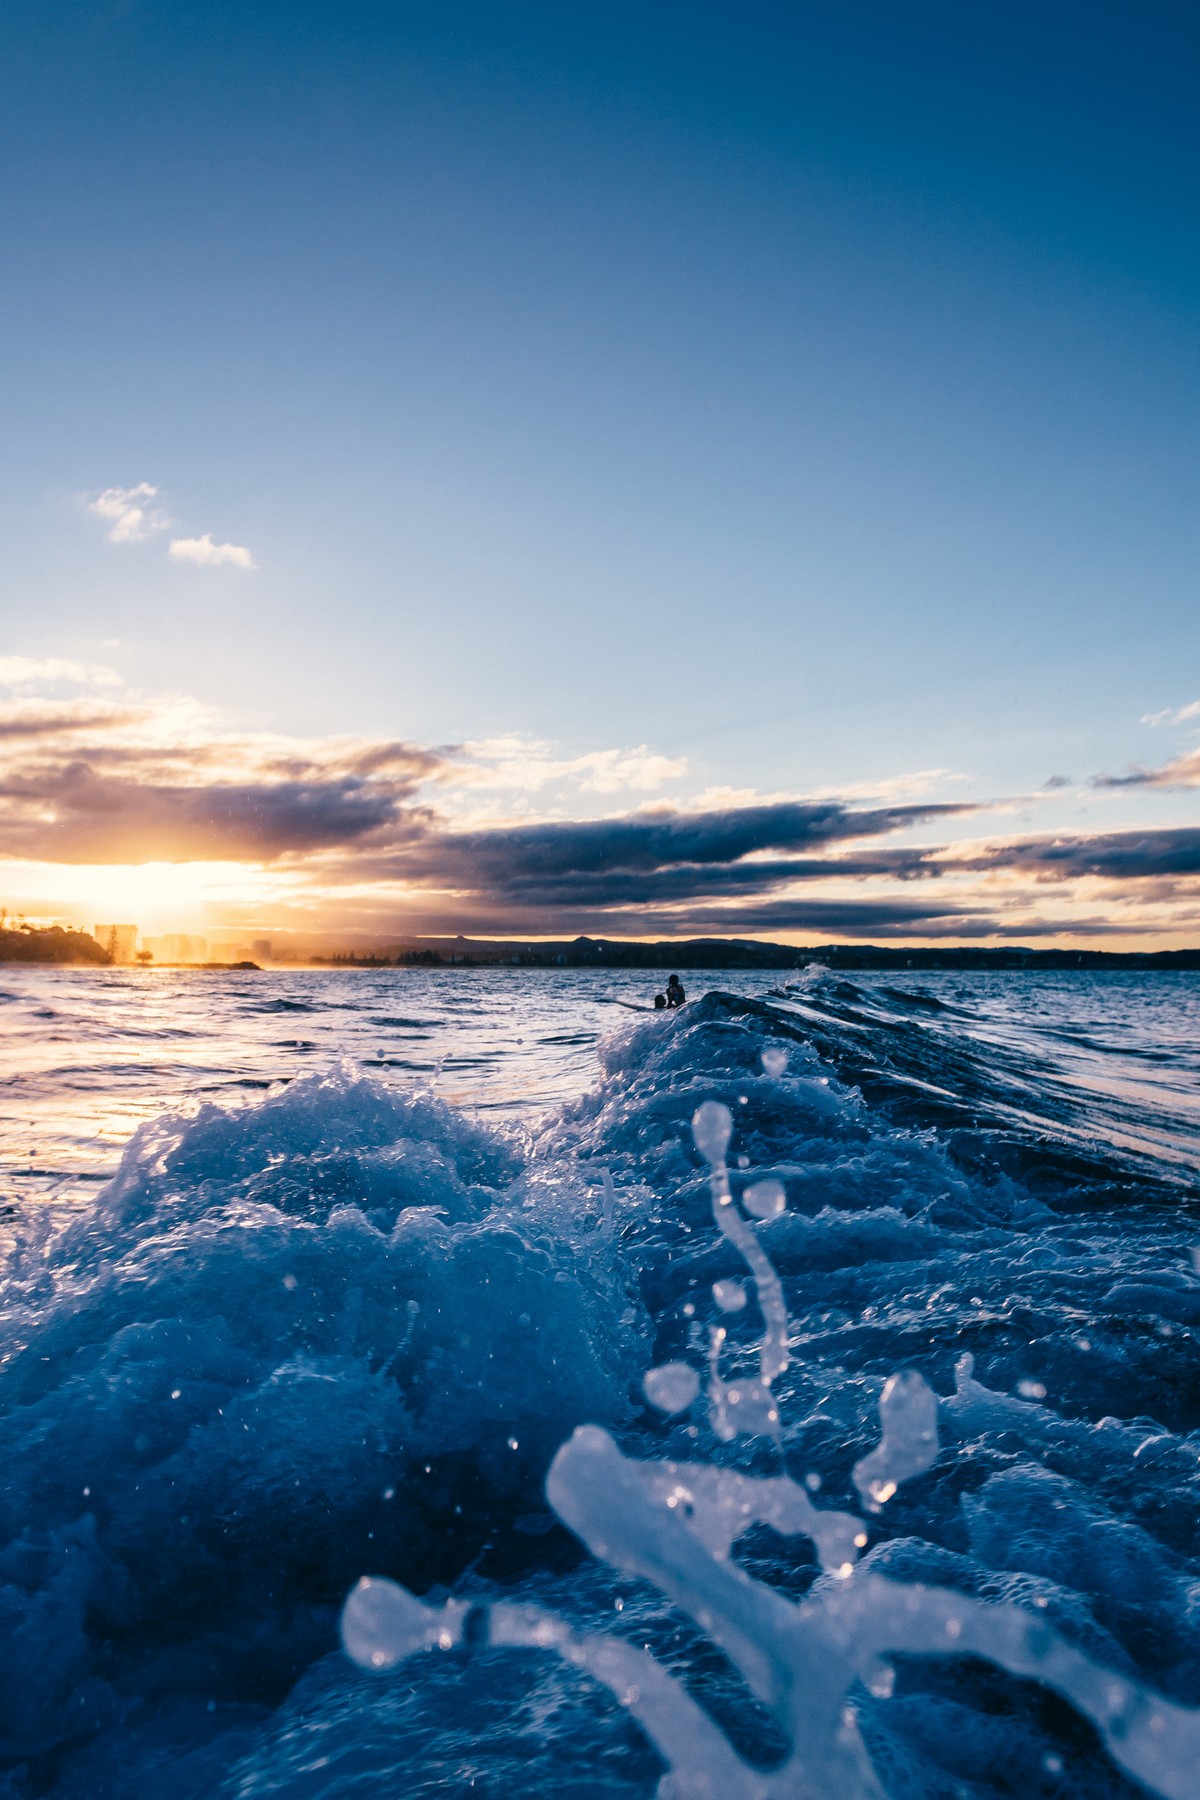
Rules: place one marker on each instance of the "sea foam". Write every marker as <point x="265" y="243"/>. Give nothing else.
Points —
<point x="675" y="1525"/>
<point x="344" y="1331"/>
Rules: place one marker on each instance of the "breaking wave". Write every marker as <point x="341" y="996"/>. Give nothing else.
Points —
<point x="345" y="1332"/>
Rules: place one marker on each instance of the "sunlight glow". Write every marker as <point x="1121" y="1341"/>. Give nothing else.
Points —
<point x="157" y="896"/>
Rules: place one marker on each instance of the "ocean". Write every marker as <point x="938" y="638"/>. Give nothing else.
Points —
<point x="461" y="1382"/>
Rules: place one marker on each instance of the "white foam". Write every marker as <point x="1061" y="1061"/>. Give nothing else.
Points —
<point x="675" y="1524"/>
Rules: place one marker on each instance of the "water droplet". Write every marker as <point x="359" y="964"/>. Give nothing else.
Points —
<point x="730" y="1296"/>
<point x="908" y="1414"/>
<point x="774" y="1061"/>
<point x="671" y="1387"/>
<point x="765" y="1199"/>
<point x="712" y="1128"/>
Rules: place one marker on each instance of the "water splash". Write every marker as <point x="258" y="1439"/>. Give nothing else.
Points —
<point x="675" y="1524"/>
<point x="908" y="1414"/>
<point x="712" y="1129"/>
<point x="608" y="1222"/>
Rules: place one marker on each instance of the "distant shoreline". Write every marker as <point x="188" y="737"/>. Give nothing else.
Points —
<point x="746" y="953"/>
<point x="56" y="945"/>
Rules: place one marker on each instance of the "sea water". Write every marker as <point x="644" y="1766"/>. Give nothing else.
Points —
<point x="461" y="1385"/>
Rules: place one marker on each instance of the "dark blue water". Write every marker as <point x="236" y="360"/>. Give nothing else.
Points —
<point x="340" y="1325"/>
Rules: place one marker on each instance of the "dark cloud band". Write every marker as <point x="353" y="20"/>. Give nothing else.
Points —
<point x="93" y="784"/>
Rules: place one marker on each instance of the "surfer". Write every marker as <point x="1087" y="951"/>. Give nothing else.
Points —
<point x="675" y="993"/>
<point x="660" y="1001"/>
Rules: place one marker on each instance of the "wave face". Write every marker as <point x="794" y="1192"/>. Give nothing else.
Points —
<point x="343" y="1330"/>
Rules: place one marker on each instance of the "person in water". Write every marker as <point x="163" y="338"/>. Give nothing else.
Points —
<point x="660" y="1001"/>
<point x="675" y="993"/>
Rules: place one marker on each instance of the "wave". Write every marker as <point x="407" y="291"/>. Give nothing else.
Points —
<point x="345" y="1331"/>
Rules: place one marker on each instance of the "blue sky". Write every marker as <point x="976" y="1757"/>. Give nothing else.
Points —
<point x="805" y="394"/>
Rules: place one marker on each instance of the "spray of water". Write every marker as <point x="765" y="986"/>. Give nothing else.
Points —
<point x="675" y="1524"/>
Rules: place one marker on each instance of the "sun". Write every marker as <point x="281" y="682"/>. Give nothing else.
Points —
<point x="156" y="896"/>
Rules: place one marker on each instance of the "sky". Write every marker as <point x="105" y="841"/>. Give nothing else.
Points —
<point x="639" y="470"/>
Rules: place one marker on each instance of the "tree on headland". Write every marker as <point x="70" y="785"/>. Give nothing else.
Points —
<point x="49" y="944"/>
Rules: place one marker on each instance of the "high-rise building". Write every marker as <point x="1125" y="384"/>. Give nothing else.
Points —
<point x="260" y="949"/>
<point x="176" y="947"/>
<point x="119" y="940"/>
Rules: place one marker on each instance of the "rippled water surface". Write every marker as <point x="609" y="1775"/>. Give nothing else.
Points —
<point x="383" y="1240"/>
<point x="86" y="1056"/>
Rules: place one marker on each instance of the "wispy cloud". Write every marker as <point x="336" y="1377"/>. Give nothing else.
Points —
<point x="1180" y="772"/>
<point x="130" y="514"/>
<point x="202" y="550"/>
<point x="40" y="719"/>
<point x="911" y="786"/>
<point x="1173" y="715"/>
<point x="54" y="671"/>
<point x="519" y="764"/>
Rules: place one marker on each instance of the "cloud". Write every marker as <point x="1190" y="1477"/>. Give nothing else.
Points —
<point x="868" y="918"/>
<point x="203" y="550"/>
<point x="524" y="764"/>
<point x="909" y="786"/>
<point x="1180" y="772"/>
<point x="84" y="782"/>
<point x="874" y="917"/>
<point x="77" y="814"/>
<point x="129" y="513"/>
<point x="40" y="721"/>
<point x="662" y="858"/>
<point x="54" y="671"/>
<point x="637" y="843"/>
<point x="1111" y="856"/>
<point x="389" y="831"/>
<point x="133" y="514"/>
<point x="1171" y="715"/>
